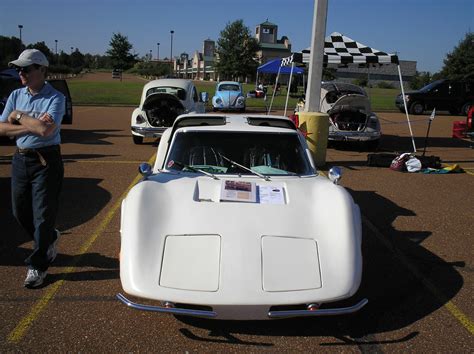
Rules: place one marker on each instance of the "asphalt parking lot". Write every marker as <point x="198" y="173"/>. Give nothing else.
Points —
<point x="417" y="246"/>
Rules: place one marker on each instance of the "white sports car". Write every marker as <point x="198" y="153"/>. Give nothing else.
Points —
<point x="234" y="222"/>
<point x="161" y="102"/>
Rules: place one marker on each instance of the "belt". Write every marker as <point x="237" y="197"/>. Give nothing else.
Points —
<point x="26" y="151"/>
<point x="38" y="151"/>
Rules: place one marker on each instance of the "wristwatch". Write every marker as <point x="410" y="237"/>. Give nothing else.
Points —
<point x="18" y="116"/>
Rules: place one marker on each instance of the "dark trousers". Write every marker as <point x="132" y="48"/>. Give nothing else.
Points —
<point x="35" y="198"/>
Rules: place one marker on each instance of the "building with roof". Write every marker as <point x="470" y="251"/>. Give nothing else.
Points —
<point x="200" y="66"/>
<point x="271" y="47"/>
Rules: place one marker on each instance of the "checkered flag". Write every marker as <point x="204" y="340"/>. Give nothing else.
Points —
<point x="293" y="58"/>
<point x="339" y="49"/>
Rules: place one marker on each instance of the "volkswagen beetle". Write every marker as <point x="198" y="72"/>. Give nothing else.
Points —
<point x="161" y="102"/>
<point x="229" y="96"/>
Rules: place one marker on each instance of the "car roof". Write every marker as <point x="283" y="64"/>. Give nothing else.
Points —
<point x="182" y="83"/>
<point x="228" y="83"/>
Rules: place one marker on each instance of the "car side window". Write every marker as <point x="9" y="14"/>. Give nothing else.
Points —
<point x="195" y="95"/>
<point x="442" y="89"/>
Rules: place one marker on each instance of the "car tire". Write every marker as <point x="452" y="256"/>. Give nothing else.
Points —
<point x="417" y="108"/>
<point x="465" y="108"/>
<point x="137" y="139"/>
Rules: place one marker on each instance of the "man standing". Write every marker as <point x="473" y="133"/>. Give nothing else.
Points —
<point x="33" y="115"/>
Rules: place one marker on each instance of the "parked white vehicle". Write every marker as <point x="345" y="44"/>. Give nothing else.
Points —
<point x="234" y="222"/>
<point x="350" y="114"/>
<point x="161" y="102"/>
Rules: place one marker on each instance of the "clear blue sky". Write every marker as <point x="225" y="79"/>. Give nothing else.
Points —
<point x="421" y="30"/>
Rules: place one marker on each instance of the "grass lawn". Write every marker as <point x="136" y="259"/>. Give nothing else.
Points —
<point x="129" y="93"/>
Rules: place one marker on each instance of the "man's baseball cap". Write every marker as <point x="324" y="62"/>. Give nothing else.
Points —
<point x="29" y="57"/>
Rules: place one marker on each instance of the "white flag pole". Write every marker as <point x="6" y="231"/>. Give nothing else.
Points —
<point x="274" y="89"/>
<point x="288" y="87"/>
<point x="406" y="108"/>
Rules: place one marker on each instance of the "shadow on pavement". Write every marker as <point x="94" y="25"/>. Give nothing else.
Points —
<point x="396" y="273"/>
<point x="81" y="200"/>
<point x="89" y="137"/>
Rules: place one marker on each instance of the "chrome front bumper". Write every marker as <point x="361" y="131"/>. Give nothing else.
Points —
<point x="353" y="136"/>
<point x="271" y="314"/>
<point x="149" y="132"/>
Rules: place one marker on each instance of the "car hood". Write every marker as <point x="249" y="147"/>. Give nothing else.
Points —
<point x="178" y="235"/>
<point x="228" y="97"/>
<point x="158" y="99"/>
<point x="351" y="102"/>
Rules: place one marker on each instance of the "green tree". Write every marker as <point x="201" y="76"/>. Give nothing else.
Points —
<point x="119" y="52"/>
<point x="420" y="79"/>
<point x="236" y="51"/>
<point x="459" y="64"/>
<point x="10" y="48"/>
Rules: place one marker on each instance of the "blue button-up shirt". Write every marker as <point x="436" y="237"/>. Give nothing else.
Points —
<point x="47" y="100"/>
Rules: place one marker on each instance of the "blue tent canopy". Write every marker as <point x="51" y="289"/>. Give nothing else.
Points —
<point x="272" y="67"/>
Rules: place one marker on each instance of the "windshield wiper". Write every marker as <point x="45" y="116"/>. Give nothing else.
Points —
<point x="191" y="168"/>
<point x="266" y="178"/>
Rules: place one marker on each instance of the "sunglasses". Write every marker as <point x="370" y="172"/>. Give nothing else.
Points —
<point x="26" y="69"/>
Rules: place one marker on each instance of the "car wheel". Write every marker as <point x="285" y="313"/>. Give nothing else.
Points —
<point x="417" y="108"/>
<point x="137" y="139"/>
<point x="465" y="108"/>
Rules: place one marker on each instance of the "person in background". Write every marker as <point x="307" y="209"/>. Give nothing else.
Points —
<point x="32" y="115"/>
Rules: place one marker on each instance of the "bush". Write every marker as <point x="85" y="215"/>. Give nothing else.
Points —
<point x="384" y="85"/>
<point x="360" y="82"/>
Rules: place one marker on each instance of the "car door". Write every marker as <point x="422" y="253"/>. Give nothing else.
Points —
<point x="438" y="97"/>
<point x="198" y="105"/>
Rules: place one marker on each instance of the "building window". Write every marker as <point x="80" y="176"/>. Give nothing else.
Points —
<point x="267" y="30"/>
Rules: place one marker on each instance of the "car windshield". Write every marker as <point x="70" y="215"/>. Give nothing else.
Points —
<point x="430" y="86"/>
<point x="229" y="87"/>
<point x="176" y="91"/>
<point x="264" y="153"/>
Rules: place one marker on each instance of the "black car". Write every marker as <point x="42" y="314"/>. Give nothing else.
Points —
<point x="10" y="83"/>
<point x="444" y="95"/>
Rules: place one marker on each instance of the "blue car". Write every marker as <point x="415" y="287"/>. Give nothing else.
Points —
<point x="229" y="96"/>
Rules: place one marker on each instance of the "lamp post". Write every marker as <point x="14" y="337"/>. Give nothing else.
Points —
<point x="150" y="55"/>
<point x="158" y="51"/>
<point x="20" y="27"/>
<point x="56" y="50"/>
<point x="171" y="53"/>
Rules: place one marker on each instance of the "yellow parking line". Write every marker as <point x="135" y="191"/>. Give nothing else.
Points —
<point x="453" y="309"/>
<point x="103" y="161"/>
<point x="26" y="322"/>
<point x="463" y="319"/>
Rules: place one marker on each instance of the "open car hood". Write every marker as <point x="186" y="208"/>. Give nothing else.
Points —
<point x="158" y="99"/>
<point x="356" y="103"/>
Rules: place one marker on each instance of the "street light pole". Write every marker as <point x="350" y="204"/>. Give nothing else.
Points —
<point x="171" y="53"/>
<point x="20" y="27"/>
<point x="150" y="55"/>
<point x="158" y="51"/>
<point x="56" y="50"/>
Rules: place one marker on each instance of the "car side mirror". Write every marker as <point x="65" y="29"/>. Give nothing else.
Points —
<point x="204" y="97"/>
<point x="335" y="174"/>
<point x="145" y="169"/>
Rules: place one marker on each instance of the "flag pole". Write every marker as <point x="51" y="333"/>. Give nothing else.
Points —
<point x="432" y="116"/>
